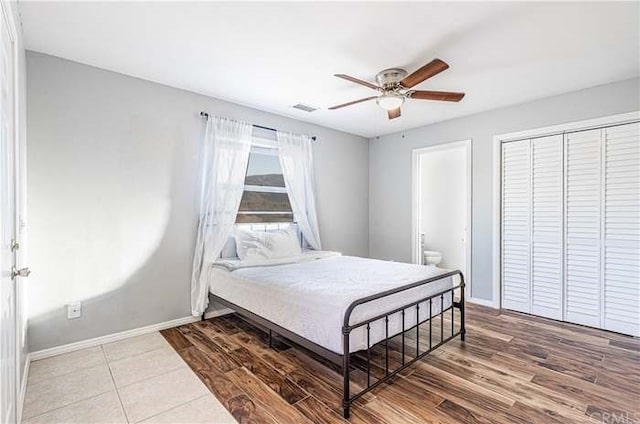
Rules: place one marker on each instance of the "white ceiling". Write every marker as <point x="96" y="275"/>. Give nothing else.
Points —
<point x="273" y="55"/>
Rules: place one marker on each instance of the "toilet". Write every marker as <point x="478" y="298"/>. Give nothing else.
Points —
<point x="431" y="257"/>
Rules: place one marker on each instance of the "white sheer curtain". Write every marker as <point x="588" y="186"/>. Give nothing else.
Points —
<point x="226" y="153"/>
<point x="297" y="168"/>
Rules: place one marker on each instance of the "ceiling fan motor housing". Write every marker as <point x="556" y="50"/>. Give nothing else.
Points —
<point x="389" y="79"/>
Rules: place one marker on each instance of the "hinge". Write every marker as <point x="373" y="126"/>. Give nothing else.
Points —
<point x="14" y="245"/>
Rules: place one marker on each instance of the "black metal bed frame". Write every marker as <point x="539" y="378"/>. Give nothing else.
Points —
<point x="345" y="360"/>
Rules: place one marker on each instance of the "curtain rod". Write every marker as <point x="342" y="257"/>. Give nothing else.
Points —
<point x="206" y="115"/>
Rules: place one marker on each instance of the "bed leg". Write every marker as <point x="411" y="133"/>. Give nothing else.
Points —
<point x="463" y="330"/>
<point x="202" y="317"/>
<point x="346" y="403"/>
<point x="346" y="412"/>
<point x="270" y="339"/>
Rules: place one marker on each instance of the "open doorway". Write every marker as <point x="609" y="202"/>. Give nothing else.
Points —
<point x="442" y="206"/>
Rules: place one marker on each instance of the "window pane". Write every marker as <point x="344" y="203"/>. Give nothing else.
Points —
<point x="253" y="218"/>
<point x="265" y="198"/>
<point x="264" y="170"/>
<point x="260" y="201"/>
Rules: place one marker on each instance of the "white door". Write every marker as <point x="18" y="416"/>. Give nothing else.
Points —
<point x="621" y="227"/>
<point x="532" y="226"/>
<point x="8" y="349"/>
<point x="547" y="226"/>
<point x="443" y="190"/>
<point x="571" y="227"/>
<point x="516" y="225"/>
<point x="583" y="295"/>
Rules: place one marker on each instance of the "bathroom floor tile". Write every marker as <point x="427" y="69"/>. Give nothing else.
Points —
<point x="146" y="365"/>
<point x="101" y="409"/>
<point x="204" y="410"/>
<point x="65" y="363"/>
<point x="133" y="346"/>
<point x="158" y="394"/>
<point x="55" y="392"/>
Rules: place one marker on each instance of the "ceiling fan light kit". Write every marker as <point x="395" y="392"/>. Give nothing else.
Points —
<point x="390" y="101"/>
<point x="394" y="84"/>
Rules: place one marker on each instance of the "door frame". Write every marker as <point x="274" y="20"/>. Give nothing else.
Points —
<point x="619" y="119"/>
<point x="416" y="204"/>
<point x="6" y="13"/>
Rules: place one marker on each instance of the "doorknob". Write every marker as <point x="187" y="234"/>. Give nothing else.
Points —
<point x="22" y="272"/>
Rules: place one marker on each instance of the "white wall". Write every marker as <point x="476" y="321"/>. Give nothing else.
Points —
<point x="113" y="192"/>
<point x="390" y="167"/>
<point x="444" y="203"/>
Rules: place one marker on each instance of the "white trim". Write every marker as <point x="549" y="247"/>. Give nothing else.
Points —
<point x="497" y="222"/>
<point x="623" y="118"/>
<point x="565" y="180"/>
<point x="265" y="213"/>
<point x="415" y="213"/>
<point x="415" y="206"/>
<point x="23" y="388"/>
<point x="620" y="119"/>
<point x="7" y="16"/>
<point x="482" y="302"/>
<point x="603" y="215"/>
<point x="96" y="341"/>
<point x="265" y="189"/>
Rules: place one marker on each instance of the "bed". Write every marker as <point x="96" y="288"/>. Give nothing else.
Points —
<point x="325" y="302"/>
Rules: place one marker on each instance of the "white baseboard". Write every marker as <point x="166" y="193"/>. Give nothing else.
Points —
<point x="23" y="388"/>
<point x="71" y="347"/>
<point x="483" y="302"/>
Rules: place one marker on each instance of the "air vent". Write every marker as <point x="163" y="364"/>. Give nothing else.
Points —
<point x="305" y="107"/>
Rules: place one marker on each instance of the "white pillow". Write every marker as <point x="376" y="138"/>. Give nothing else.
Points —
<point x="252" y="245"/>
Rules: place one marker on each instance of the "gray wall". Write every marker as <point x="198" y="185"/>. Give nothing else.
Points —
<point x="390" y="167"/>
<point x="113" y="165"/>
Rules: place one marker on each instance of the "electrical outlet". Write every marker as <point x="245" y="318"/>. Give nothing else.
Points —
<point x="74" y="310"/>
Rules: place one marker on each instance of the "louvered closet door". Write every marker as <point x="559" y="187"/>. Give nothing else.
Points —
<point x="516" y="219"/>
<point x="621" y="291"/>
<point x="547" y="227"/>
<point x="583" y="216"/>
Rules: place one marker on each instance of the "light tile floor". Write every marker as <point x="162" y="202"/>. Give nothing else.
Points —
<point x="140" y="379"/>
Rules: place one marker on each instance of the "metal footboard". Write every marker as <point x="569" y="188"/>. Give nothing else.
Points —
<point x="347" y="329"/>
<point x="345" y="358"/>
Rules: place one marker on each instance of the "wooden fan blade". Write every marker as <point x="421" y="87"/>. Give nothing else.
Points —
<point x="393" y="113"/>
<point x="427" y="71"/>
<point x="357" y="81"/>
<point x="352" y="103"/>
<point x="445" y="96"/>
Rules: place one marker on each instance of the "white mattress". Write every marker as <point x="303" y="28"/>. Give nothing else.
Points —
<point x="310" y="297"/>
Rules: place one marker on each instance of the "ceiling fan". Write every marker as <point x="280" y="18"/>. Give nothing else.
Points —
<point x="395" y="86"/>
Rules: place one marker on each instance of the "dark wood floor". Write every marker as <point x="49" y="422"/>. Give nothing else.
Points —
<point x="512" y="369"/>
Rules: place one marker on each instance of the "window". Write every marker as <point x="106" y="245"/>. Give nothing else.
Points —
<point x="265" y="197"/>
